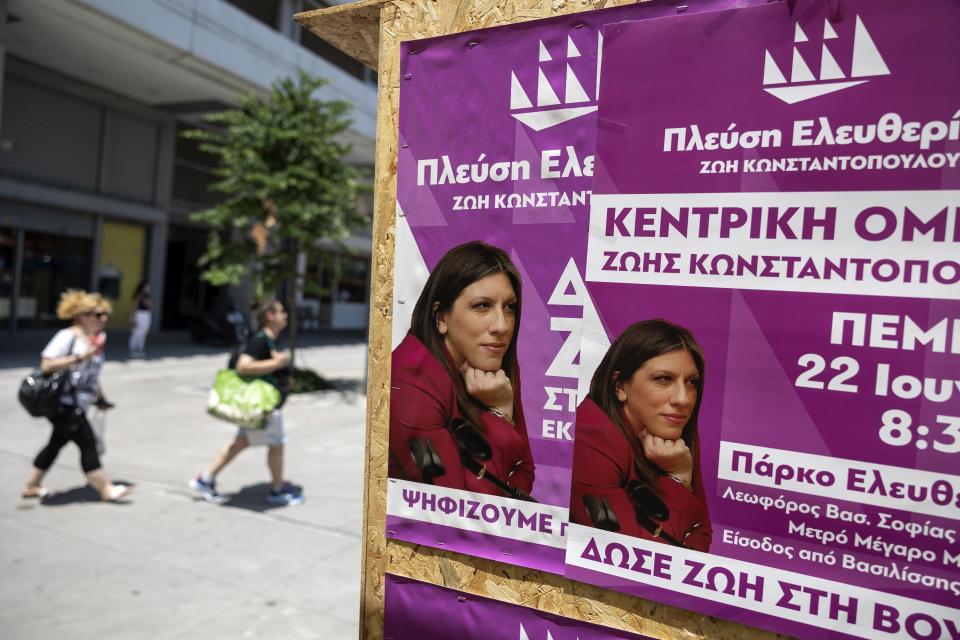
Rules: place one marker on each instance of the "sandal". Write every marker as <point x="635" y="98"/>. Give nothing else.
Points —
<point x="118" y="492"/>
<point x="35" y="492"/>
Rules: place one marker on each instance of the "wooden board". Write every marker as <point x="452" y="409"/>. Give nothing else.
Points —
<point x="402" y="20"/>
<point x="352" y="28"/>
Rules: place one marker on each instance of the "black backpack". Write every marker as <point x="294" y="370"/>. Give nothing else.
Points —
<point x="235" y="355"/>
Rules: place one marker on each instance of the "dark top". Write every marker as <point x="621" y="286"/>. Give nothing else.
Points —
<point x="143" y="302"/>
<point x="602" y="465"/>
<point x="261" y="347"/>
<point x="423" y="403"/>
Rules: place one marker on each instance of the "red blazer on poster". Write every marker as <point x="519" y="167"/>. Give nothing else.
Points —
<point x="602" y="465"/>
<point x="422" y="405"/>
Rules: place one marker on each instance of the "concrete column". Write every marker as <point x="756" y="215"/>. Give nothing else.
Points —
<point x="285" y="23"/>
<point x="157" y="269"/>
<point x="160" y="231"/>
<point x="17" y="278"/>
<point x="97" y="248"/>
<point x="3" y="53"/>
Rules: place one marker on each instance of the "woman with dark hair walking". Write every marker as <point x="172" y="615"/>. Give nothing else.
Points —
<point x="140" y="320"/>
<point x="261" y="359"/>
<point x="639" y="425"/>
<point x="459" y="362"/>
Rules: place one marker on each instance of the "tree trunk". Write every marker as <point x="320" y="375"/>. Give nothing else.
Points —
<point x="292" y="290"/>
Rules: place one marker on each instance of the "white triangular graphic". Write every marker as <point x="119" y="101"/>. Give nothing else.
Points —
<point x="572" y="51"/>
<point x="593" y="346"/>
<point x="799" y="35"/>
<point x="867" y="60"/>
<point x="544" y="54"/>
<point x="574" y="92"/>
<point x="540" y="120"/>
<point x="800" y="72"/>
<point x="549" y="637"/>
<point x="518" y="97"/>
<point x="828" y="32"/>
<point x="410" y="279"/>
<point x="771" y="72"/>
<point x="523" y="633"/>
<point x="829" y="69"/>
<point x="569" y="279"/>
<point x="546" y="96"/>
<point x="792" y="95"/>
<point x="599" y="61"/>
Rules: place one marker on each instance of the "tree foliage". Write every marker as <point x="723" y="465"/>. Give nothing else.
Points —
<point x="285" y="181"/>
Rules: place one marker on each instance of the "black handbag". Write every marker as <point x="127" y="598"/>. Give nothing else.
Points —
<point x="40" y="393"/>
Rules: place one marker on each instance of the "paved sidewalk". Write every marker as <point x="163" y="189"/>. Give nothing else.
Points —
<point x="168" y="565"/>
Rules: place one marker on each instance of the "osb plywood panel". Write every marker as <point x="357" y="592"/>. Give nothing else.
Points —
<point x="402" y="20"/>
<point x="352" y="28"/>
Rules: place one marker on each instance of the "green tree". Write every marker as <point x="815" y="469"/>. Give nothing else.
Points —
<point x="286" y="184"/>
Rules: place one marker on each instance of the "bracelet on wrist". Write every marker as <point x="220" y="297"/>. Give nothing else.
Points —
<point x="681" y="481"/>
<point x="501" y="414"/>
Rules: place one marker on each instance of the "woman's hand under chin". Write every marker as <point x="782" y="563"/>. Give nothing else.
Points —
<point x="671" y="456"/>
<point x="489" y="388"/>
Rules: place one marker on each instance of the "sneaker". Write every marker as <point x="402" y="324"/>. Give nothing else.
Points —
<point x="206" y="490"/>
<point x="287" y="496"/>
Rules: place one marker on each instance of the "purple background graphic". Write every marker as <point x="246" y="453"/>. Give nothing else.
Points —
<point x="455" y="101"/>
<point x="707" y="70"/>
<point x="716" y="62"/>
<point x="415" y="610"/>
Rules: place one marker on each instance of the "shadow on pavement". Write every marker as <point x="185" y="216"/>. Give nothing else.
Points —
<point x="75" y="495"/>
<point x="346" y="386"/>
<point x="253" y="497"/>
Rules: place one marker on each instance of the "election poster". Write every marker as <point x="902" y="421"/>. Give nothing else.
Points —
<point x="494" y="173"/>
<point x="771" y="425"/>
<point x="414" y="610"/>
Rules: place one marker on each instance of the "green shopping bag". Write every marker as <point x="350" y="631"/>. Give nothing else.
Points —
<point x="243" y="401"/>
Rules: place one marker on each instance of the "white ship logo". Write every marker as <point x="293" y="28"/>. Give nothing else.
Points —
<point x="803" y="85"/>
<point x="549" y="110"/>
<point x="524" y="636"/>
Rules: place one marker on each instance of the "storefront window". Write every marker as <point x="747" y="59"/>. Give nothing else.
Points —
<point x="8" y="245"/>
<point x="51" y="264"/>
<point x="353" y="279"/>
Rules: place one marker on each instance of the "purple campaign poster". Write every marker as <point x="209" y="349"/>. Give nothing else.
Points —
<point x="780" y="184"/>
<point x="496" y="144"/>
<point x="415" y="610"/>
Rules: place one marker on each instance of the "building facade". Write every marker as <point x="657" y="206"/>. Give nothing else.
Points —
<point x="96" y="184"/>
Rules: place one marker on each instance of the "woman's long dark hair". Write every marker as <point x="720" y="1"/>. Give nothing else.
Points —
<point x="458" y="269"/>
<point x="637" y="344"/>
<point x="139" y="290"/>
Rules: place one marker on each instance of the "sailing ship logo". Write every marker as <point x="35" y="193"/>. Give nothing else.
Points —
<point x="524" y="636"/>
<point x="549" y="110"/>
<point x="803" y="85"/>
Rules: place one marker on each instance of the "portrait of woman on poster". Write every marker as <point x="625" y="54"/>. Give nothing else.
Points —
<point x="639" y="425"/>
<point x="459" y="362"/>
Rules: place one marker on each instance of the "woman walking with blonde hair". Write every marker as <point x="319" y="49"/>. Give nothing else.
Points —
<point x="78" y="349"/>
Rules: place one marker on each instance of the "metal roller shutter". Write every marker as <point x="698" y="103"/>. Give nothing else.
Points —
<point x="130" y="157"/>
<point x="46" y="219"/>
<point x="55" y="137"/>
